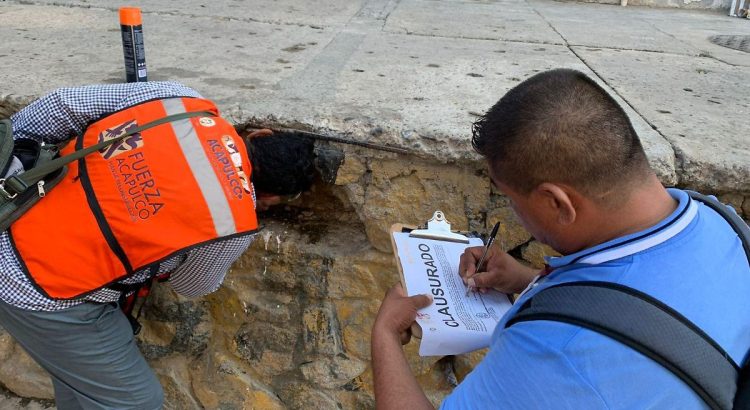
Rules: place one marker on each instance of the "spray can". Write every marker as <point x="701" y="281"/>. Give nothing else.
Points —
<point x="131" y="27"/>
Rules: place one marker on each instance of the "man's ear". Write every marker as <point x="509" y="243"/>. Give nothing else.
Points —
<point x="265" y="201"/>
<point x="560" y="200"/>
<point x="257" y="133"/>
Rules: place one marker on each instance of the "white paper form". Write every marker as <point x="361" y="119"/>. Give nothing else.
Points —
<point x="454" y="323"/>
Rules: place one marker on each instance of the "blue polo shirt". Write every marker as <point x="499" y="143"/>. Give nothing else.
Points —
<point x="692" y="261"/>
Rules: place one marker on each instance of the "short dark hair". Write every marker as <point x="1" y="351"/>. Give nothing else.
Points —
<point x="283" y="163"/>
<point x="560" y="126"/>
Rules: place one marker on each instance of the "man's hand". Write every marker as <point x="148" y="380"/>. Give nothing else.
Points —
<point x="502" y="272"/>
<point x="397" y="313"/>
<point x="395" y="385"/>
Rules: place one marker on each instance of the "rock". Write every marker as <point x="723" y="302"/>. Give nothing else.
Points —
<point x="320" y="330"/>
<point x="535" y="252"/>
<point x="355" y="194"/>
<point x="350" y="171"/>
<point x="267" y="347"/>
<point x="20" y="374"/>
<point x="411" y="192"/>
<point x="10" y="104"/>
<point x="362" y="275"/>
<point x="353" y="398"/>
<point x="174" y="376"/>
<point x="356" y="318"/>
<point x="157" y="333"/>
<point x="733" y="200"/>
<point x="511" y="233"/>
<point x="220" y="382"/>
<point x="303" y="396"/>
<point x="11" y="402"/>
<point x="332" y="372"/>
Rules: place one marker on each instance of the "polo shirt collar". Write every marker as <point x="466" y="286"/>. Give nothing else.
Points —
<point x="636" y="242"/>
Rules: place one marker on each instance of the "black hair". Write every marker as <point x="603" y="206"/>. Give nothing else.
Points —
<point x="283" y="164"/>
<point x="560" y="126"/>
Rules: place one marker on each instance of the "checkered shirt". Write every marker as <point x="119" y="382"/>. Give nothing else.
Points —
<point x="64" y="114"/>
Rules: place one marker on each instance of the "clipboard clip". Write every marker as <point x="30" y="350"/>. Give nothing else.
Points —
<point x="439" y="228"/>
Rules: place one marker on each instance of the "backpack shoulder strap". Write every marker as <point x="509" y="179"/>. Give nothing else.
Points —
<point x="644" y="324"/>
<point x="17" y="184"/>
<point x="6" y="145"/>
<point x="732" y="218"/>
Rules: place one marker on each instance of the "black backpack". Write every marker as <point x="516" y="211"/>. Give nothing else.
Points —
<point x="652" y="328"/>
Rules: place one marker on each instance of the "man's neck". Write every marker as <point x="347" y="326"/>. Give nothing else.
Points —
<point x="645" y="207"/>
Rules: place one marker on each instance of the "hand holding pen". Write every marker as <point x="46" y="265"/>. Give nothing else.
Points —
<point x="488" y="267"/>
<point x="487" y="246"/>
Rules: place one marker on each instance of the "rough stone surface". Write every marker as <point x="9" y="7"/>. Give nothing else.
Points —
<point x="511" y="233"/>
<point x="10" y="401"/>
<point x="735" y="200"/>
<point x="400" y="192"/>
<point x="535" y="252"/>
<point x="19" y="373"/>
<point x="290" y="326"/>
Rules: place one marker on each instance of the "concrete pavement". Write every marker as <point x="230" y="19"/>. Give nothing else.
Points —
<point x="410" y="73"/>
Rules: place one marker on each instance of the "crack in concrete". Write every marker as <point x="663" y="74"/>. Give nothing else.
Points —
<point x="640" y="50"/>
<point x="171" y="13"/>
<point x="411" y="33"/>
<point x="534" y="42"/>
<point x="391" y="7"/>
<point x="678" y="161"/>
<point x="375" y="10"/>
<point x="318" y="79"/>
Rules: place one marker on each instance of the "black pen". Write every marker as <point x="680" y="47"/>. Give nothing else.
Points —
<point x="484" y="255"/>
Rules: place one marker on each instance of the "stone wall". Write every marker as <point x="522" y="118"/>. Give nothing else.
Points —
<point x="290" y="326"/>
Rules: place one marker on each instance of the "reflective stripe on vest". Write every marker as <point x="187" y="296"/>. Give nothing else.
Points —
<point x="208" y="182"/>
<point x="138" y="202"/>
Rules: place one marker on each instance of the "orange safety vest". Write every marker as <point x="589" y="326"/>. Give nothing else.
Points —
<point x="137" y="202"/>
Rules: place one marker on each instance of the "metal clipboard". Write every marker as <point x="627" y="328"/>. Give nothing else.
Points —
<point x="437" y="228"/>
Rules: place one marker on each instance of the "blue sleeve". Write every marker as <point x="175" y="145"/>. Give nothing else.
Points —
<point x="521" y="371"/>
<point x="66" y="112"/>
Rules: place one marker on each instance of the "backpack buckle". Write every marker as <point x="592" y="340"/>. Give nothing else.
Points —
<point x="10" y="187"/>
<point x="5" y="194"/>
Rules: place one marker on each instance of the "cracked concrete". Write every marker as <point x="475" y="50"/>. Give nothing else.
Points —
<point x="410" y="73"/>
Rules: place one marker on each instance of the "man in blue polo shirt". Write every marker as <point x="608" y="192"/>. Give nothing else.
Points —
<point x="566" y="155"/>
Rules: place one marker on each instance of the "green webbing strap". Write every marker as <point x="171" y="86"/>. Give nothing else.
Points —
<point x="6" y="144"/>
<point x="17" y="184"/>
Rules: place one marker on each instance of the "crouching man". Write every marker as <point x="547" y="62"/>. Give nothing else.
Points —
<point x="178" y="198"/>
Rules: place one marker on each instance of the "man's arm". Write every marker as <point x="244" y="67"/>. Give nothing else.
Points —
<point x="395" y="385"/>
<point x="529" y="367"/>
<point x="204" y="269"/>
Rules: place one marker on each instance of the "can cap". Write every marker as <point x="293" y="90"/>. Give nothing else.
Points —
<point x="130" y="16"/>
